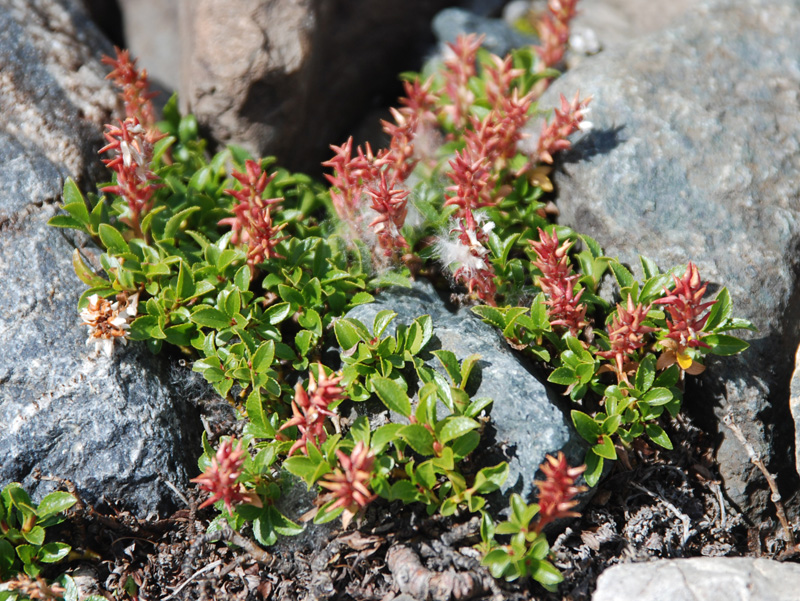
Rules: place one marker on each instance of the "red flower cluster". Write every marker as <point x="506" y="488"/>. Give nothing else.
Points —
<point x="132" y="153"/>
<point x="252" y="218"/>
<point x="310" y="413"/>
<point x="686" y="311"/>
<point x="349" y="485"/>
<point x="391" y="206"/>
<point x="350" y="175"/>
<point x="568" y="119"/>
<point x="553" y="31"/>
<point x="220" y="478"/>
<point x="558" y="283"/>
<point x="474" y="182"/>
<point x="557" y="491"/>
<point x="135" y="88"/>
<point x="459" y="66"/>
<point x="364" y="178"/>
<point x="626" y="335"/>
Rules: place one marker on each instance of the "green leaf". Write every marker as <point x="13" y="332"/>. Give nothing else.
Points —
<point x="450" y="364"/>
<point x="385" y="435"/>
<point x="185" y="287"/>
<point x="490" y="315"/>
<point x="465" y="444"/>
<point x="112" y="239"/>
<point x="264" y="529"/>
<point x="539" y="313"/>
<point x="657" y="396"/>
<point x="34" y="536"/>
<point x="278" y="313"/>
<point x="211" y="318"/>
<point x="72" y="196"/>
<point x="724" y="345"/>
<point x="646" y="373"/>
<point x="622" y="274"/>
<point x="360" y="430"/>
<point x="594" y="468"/>
<point x="283" y="525"/>
<point x="586" y="426"/>
<point x="489" y="479"/>
<point x="263" y="357"/>
<point x="546" y="574"/>
<point x="605" y="448"/>
<point x="53" y="552"/>
<point x="381" y="321"/>
<point x="66" y="221"/>
<point x="657" y="435"/>
<point x="452" y="427"/>
<point x="346" y="334"/>
<point x="55" y="502"/>
<point x="649" y="267"/>
<point x="174" y="223"/>
<point x="720" y="310"/>
<point x="85" y="273"/>
<point x="418" y="438"/>
<point x="392" y="395"/>
<point x="564" y="376"/>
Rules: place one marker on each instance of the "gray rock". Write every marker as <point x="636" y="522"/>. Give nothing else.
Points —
<point x="111" y="426"/>
<point x="152" y="34"/>
<point x="500" y="36"/>
<point x="700" y="579"/>
<point x="290" y="77"/>
<point x="527" y="420"/>
<point x="695" y="156"/>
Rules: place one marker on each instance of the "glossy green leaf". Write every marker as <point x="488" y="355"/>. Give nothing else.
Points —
<point x="55" y="502"/>
<point x="346" y="334"/>
<point x="392" y="395"/>
<point x="211" y="318"/>
<point x="586" y="426"/>
<point x="112" y="239"/>
<point x="657" y="435"/>
<point x="418" y="438"/>
<point x="724" y="345"/>
<point x="453" y="427"/>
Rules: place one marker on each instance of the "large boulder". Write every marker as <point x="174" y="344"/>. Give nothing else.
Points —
<point x="290" y="77"/>
<point x="695" y="156"/>
<point x="113" y="427"/>
<point x="527" y="416"/>
<point x="700" y="579"/>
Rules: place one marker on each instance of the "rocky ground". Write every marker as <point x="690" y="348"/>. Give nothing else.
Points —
<point x="695" y="155"/>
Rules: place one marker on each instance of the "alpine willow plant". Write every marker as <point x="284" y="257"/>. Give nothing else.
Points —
<point x="250" y="269"/>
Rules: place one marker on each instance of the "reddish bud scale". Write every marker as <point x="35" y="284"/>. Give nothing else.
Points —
<point x="567" y="121"/>
<point x="458" y="68"/>
<point x="687" y="316"/>
<point x="349" y="484"/>
<point x="557" y="491"/>
<point x="132" y="152"/>
<point x="558" y="283"/>
<point x="391" y="206"/>
<point x="626" y="335"/>
<point x="553" y="31"/>
<point x="135" y="87"/>
<point x="220" y="478"/>
<point x="252" y="221"/>
<point x="310" y="412"/>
